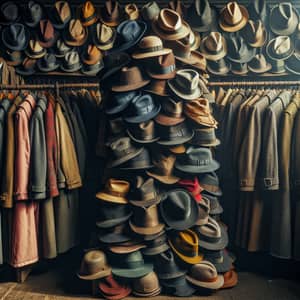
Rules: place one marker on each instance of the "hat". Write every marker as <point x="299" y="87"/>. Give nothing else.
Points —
<point x="213" y="46"/>
<point x="150" y="46"/>
<point x="204" y="210"/>
<point x="205" y="137"/>
<point x="239" y="51"/>
<point x="220" y="259"/>
<point x="230" y="279"/>
<point x="91" y="55"/>
<point x="201" y="16"/>
<point x="239" y="68"/>
<point x="142" y="109"/>
<point x="170" y="26"/>
<point x="178" y="286"/>
<point x="33" y="13"/>
<point x="13" y="58"/>
<point x="197" y="160"/>
<point x="193" y="39"/>
<point x="179" y="210"/>
<point x="210" y="183"/>
<point x="157" y="87"/>
<point x="122" y="150"/>
<point x="284" y="19"/>
<point x="114" y="235"/>
<point x="35" y="50"/>
<point x="111" y="214"/>
<point x="193" y="187"/>
<point x="75" y="34"/>
<point x="205" y="275"/>
<point x="130" y="78"/>
<point x="255" y="33"/>
<point x="143" y="133"/>
<point x="60" y="14"/>
<point x="175" y="134"/>
<point x="112" y="290"/>
<point x="163" y="169"/>
<point x="280" y="48"/>
<point x="94" y="69"/>
<point x="140" y="162"/>
<point x="178" y="6"/>
<point x="293" y="64"/>
<point x="259" y="64"/>
<point x="150" y="11"/>
<point x="131" y="11"/>
<point x="110" y="13"/>
<point x="94" y="266"/>
<point x="88" y="14"/>
<point x="28" y="67"/>
<point x="278" y="66"/>
<point x="179" y="149"/>
<point x="166" y="267"/>
<point x="185" y="85"/>
<point x="129" y="265"/>
<point x="15" y="37"/>
<point x="145" y="220"/>
<point x="61" y="48"/>
<point x="215" y="206"/>
<point x="258" y="10"/>
<point x="185" y="245"/>
<point x="71" y="62"/>
<point x="9" y="12"/>
<point x="156" y="246"/>
<point x="48" y="63"/>
<point x="171" y="113"/>
<point x="46" y="34"/>
<point x="233" y="17"/>
<point x="104" y="36"/>
<point x="146" y="286"/>
<point x="120" y="101"/>
<point x="126" y="247"/>
<point x="219" y="67"/>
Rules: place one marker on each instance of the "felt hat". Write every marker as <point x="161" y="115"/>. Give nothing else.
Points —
<point x="218" y="67"/>
<point x="205" y="137"/>
<point x="204" y="211"/>
<point x="143" y="132"/>
<point x="193" y="187"/>
<point x="233" y="17"/>
<point x="259" y="64"/>
<point x="110" y="13"/>
<point x="60" y="14"/>
<point x="146" y="286"/>
<point x="178" y="287"/>
<point x="27" y="67"/>
<point x="94" y="266"/>
<point x="210" y="183"/>
<point x="13" y="58"/>
<point x="61" y="48"/>
<point x="140" y="162"/>
<point x="220" y="259"/>
<point x="9" y="12"/>
<point x="215" y="206"/>
<point x="33" y="13"/>
<point x="131" y="11"/>
<point x="15" y="37"/>
<point x="114" y="235"/>
<point x="179" y="149"/>
<point x="239" y="68"/>
<point x="239" y="51"/>
<point x="88" y="14"/>
<point x="280" y="48"/>
<point x="71" y="62"/>
<point x="293" y="64"/>
<point x="48" y="63"/>
<point x="91" y="55"/>
<point x="230" y="279"/>
<point x="156" y="246"/>
<point x="185" y="245"/>
<point x="255" y="33"/>
<point x="214" y="46"/>
<point x="150" y="11"/>
<point x="157" y="87"/>
<point x="104" y="36"/>
<point x="35" y="50"/>
<point x="126" y="247"/>
<point x="46" y="34"/>
<point x="75" y="34"/>
<point x="120" y="102"/>
<point x="92" y="70"/>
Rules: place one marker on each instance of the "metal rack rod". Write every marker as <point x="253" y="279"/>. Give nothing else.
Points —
<point x="255" y="83"/>
<point x="48" y="86"/>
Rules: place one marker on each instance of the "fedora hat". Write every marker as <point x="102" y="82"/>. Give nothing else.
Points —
<point x="120" y="102"/>
<point x="156" y="246"/>
<point x="178" y="287"/>
<point x="219" y="67"/>
<point x="61" y="48"/>
<point x="71" y="62"/>
<point x="110" y="13"/>
<point x="140" y="162"/>
<point x="27" y="67"/>
<point x="239" y="51"/>
<point x="259" y="64"/>
<point x="35" y="50"/>
<point x="258" y="10"/>
<point x="197" y="160"/>
<point x="9" y="13"/>
<point x="163" y="169"/>
<point x="150" y="11"/>
<point x="61" y="14"/>
<point x="201" y="16"/>
<point x="131" y="11"/>
<point x="46" y="34"/>
<point x="193" y="187"/>
<point x="104" y="36"/>
<point x="214" y="46"/>
<point x="179" y="210"/>
<point x="142" y="109"/>
<point x="210" y="183"/>
<point x="233" y="17"/>
<point x="145" y="220"/>
<point x="129" y="265"/>
<point x="13" y="58"/>
<point x="280" y="48"/>
<point x="33" y="13"/>
<point x="75" y="34"/>
<point x="205" y="137"/>
<point x="205" y="275"/>
<point x="114" y="235"/>
<point x="110" y="214"/>
<point x="157" y="87"/>
<point x="115" y="191"/>
<point x="170" y="26"/>
<point x="220" y="259"/>
<point x="129" y="79"/>
<point x="215" y="206"/>
<point x="199" y="112"/>
<point x="150" y="46"/>
<point x="174" y="135"/>
<point x="255" y="33"/>
<point x="15" y="37"/>
<point x="204" y="210"/>
<point x="122" y="151"/>
<point x="116" y="130"/>
<point x="94" y="266"/>
<point x="239" y="68"/>
<point x="185" y="85"/>
<point x="166" y="266"/>
<point x="91" y="55"/>
<point x="284" y="19"/>
<point x="146" y="286"/>
<point x="143" y="132"/>
<point x="230" y="279"/>
<point x="88" y="14"/>
<point x="293" y="64"/>
<point x="171" y="114"/>
<point x="185" y="245"/>
<point x="144" y="193"/>
<point x="212" y="236"/>
<point x="48" y="63"/>
<point x="126" y="247"/>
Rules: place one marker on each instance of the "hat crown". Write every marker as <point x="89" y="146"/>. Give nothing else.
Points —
<point x="104" y="33"/>
<point x="35" y="46"/>
<point x="189" y="79"/>
<point x="49" y="59"/>
<point x="165" y="164"/>
<point x="93" y="52"/>
<point x="28" y="63"/>
<point x="129" y="30"/>
<point x="286" y="10"/>
<point x="150" y="11"/>
<point x="10" y="10"/>
<point x="111" y="7"/>
<point x="254" y="30"/>
<point x="172" y="108"/>
<point x="130" y="75"/>
<point x="282" y="44"/>
<point x="16" y="34"/>
<point x="88" y="9"/>
<point x="72" y="57"/>
<point x="210" y="179"/>
<point x="146" y="216"/>
<point x="61" y="45"/>
<point x="132" y="11"/>
<point x="146" y="284"/>
<point x="169" y="20"/>
<point x="93" y="262"/>
<point x="203" y="9"/>
<point x="63" y="10"/>
<point x="258" y="61"/>
<point x="35" y="9"/>
<point x="144" y="189"/>
<point x="150" y="41"/>
<point x="232" y="13"/>
<point x="122" y="147"/>
<point x="47" y="30"/>
<point x="214" y="42"/>
<point x="198" y="106"/>
<point x="198" y="156"/>
<point x="146" y="128"/>
<point x="210" y="230"/>
<point x="117" y="186"/>
<point x="260" y="6"/>
<point x="186" y="242"/>
<point x="204" y="271"/>
<point x="76" y="29"/>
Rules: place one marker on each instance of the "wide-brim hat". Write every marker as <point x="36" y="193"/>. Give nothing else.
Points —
<point x="111" y="197"/>
<point x="156" y="250"/>
<point x="213" y="166"/>
<point x="239" y="68"/>
<point x="222" y="265"/>
<point x="144" y="117"/>
<point x="95" y="276"/>
<point x="133" y="273"/>
<point x="8" y="45"/>
<point x="176" y="35"/>
<point x="114" y="238"/>
<point x="206" y="27"/>
<point x="113" y="222"/>
<point x="221" y="71"/>
<point x="154" y="53"/>
<point x="76" y="43"/>
<point x="130" y="87"/>
<point x="265" y="69"/>
<point x="125" y="158"/>
<point x="270" y="51"/>
<point x="213" y="56"/>
<point x="245" y="58"/>
<point x="127" y="247"/>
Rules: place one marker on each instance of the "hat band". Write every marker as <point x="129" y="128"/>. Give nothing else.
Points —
<point x="145" y="137"/>
<point x="209" y="239"/>
<point x="138" y="164"/>
<point x="32" y="52"/>
<point x="199" y="162"/>
<point x="173" y="31"/>
<point x="173" y="114"/>
<point x="187" y="252"/>
<point x="130" y="264"/>
<point x="90" y="18"/>
<point x="151" y="49"/>
<point x="164" y="70"/>
<point x="114" y="193"/>
<point x="183" y="88"/>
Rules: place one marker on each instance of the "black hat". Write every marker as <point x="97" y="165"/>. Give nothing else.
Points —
<point x="9" y="13"/>
<point x="238" y="50"/>
<point x="15" y="37"/>
<point x="210" y="183"/>
<point x="114" y="235"/>
<point x="48" y="63"/>
<point x="141" y="161"/>
<point x="33" y="13"/>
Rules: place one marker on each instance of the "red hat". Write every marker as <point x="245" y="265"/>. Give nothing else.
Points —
<point x="112" y="290"/>
<point x="192" y="186"/>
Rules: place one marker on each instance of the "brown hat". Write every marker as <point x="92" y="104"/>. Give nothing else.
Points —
<point x="131" y="11"/>
<point x="110" y="13"/>
<point x="94" y="266"/>
<point x="146" y="286"/>
<point x="61" y="14"/>
<point x="255" y="33"/>
<point x="170" y="26"/>
<point x="91" y="55"/>
<point x="130" y="78"/>
<point x="214" y="46"/>
<point x="230" y="279"/>
<point x="112" y="290"/>
<point x="104" y="36"/>
<point x="233" y="17"/>
<point x="162" y="67"/>
<point x="88" y="14"/>
<point x="35" y="50"/>
<point x="75" y="34"/>
<point x="259" y="64"/>
<point x="157" y="87"/>
<point x="46" y="35"/>
<point x="126" y="247"/>
<point x="143" y="132"/>
<point x="163" y="169"/>
<point x="115" y="191"/>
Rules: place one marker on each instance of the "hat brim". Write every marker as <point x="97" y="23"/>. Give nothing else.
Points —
<point x="184" y="290"/>
<point x="180" y="149"/>
<point x="232" y="281"/>
<point x="176" y="142"/>
<point x="133" y="273"/>
<point x="108" y="23"/>
<point x="75" y="68"/>
<point x="152" y="294"/>
<point x="214" y="285"/>
<point x="145" y="203"/>
<point x="142" y="141"/>
<point x="146" y="117"/>
<point x="124" y="159"/>
<point x="168" y="121"/>
<point x="223" y="266"/>
<point x="198" y="169"/>
<point x="115" y="69"/>
<point x="129" y="87"/>
<point x="217" y="192"/>
<point x="12" y="47"/>
<point x="119" y="249"/>
<point x="166" y="276"/>
<point x="91" y="72"/>
<point x="237" y="72"/>
<point x="220" y="245"/>
<point x="98" y="275"/>
<point x="187" y="259"/>
<point x="291" y="70"/>
<point x="156" y="250"/>
<point x="156" y="92"/>
<point x="25" y="72"/>
<point x="215" y="143"/>
<point x="89" y="21"/>
<point x="192" y="60"/>
<point x="161" y="76"/>
<point x="233" y="28"/>
<point x="172" y="36"/>
<point x="267" y="68"/>
<point x="146" y="230"/>
<point x="111" y="198"/>
<point x="120" y="294"/>
<point x="223" y="71"/>
<point x="171" y="179"/>
<point x="117" y="109"/>
<point x="196" y="94"/>
<point x="113" y="238"/>
<point x="261" y="41"/>
<point x="138" y="55"/>
<point x="113" y="222"/>
<point x="147" y="165"/>
<point x="35" y="56"/>
<point x="45" y="69"/>
<point x="211" y="56"/>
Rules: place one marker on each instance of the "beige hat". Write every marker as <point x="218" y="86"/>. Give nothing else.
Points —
<point x="214" y="46"/>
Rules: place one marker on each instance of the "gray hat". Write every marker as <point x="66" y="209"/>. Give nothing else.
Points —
<point x="48" y="63"/>
<point x="238" y="50"/>
<point x="61" y="48"/>
<point x="71" y="62"/>
<point x="150" y="11"/>
<point x="15" y="37"/>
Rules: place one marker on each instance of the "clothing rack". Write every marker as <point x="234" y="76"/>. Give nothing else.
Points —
<point x="48" y="86"/>
<point x="255" y="83"/>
